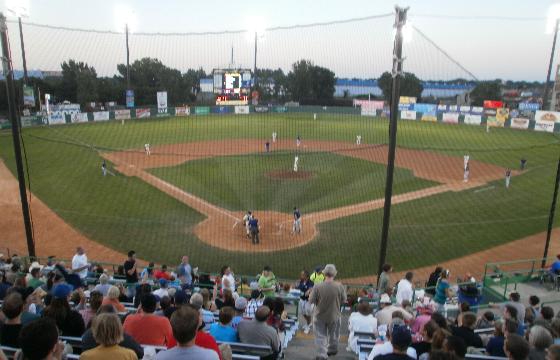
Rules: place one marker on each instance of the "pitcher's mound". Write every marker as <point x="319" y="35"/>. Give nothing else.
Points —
<point x="289" y="174"/>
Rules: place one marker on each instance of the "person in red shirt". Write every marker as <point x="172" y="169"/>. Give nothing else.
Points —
<point x="162" y="274"/>
<point x="147" y="328"/>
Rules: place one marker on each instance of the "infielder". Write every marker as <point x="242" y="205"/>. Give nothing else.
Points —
<point x="296" y="227"/>
<point x="523" y="163"/>
<point x="298" y="141"/>
<point x="104" y="168"/>
<point x="248" y="216"/>
<point x="274" y="136"/>
<point x="296" y="163"/>
<point x="358" y="139"/>
<point x="267" y="146"/>
<point x="466" y="173"/>
<point x="466" y="159"/>
<point x="508" y="177"/>
<point x="147" y="149"/>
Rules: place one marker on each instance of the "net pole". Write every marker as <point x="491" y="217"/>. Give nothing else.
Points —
<point x="551" y="214"/>
<point x="400" y="21"/>
<point x="546" y="85"/>
<point x="24" y="60"/>
<point x="127" y="59"/>
<point x="13" y="114"/>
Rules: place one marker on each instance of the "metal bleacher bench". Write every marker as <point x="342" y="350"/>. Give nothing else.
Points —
<point x="483" y="357"/>
<point x="247" y="349"/>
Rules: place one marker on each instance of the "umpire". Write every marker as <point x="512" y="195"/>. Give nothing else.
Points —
<point x="254" y="230"/>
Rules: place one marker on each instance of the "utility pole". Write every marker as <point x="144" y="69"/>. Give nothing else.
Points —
<point x="400" y="21"/>
<point x="127" y="60"/>
<point x="255" y="64"/>
<point x="14" y="119"/>
<point x="546" y="85"/>
<point x="551" y="214"/>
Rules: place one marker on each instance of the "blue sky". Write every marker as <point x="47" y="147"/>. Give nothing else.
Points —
<point x="504" y="49"/>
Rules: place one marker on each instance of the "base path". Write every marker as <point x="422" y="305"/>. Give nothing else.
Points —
<point x="224" y="228"/>
<point x="53" y="236"/>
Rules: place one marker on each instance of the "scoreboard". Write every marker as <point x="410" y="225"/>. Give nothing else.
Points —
<point x="232" y="86"/>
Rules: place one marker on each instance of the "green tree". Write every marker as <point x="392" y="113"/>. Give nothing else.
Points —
<point x="410" y="85"/>
<point x="271" y="84"/>
<point x="79" y="82"/>
<point x="486" y="90"/>
<point x="307" y="81"/>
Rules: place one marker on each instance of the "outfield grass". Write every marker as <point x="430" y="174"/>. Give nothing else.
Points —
<point x="241" y="182"/>
<point x="126" y="213"/>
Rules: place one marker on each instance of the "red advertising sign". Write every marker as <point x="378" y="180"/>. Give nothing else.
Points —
<point x="493" y="104"/>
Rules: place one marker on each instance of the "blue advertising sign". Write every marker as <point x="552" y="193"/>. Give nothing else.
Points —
<point x="129" y="98"/>
<point x="529" y="106"/>
<point x="221" y="109"/>
<point x="425" y="108"/>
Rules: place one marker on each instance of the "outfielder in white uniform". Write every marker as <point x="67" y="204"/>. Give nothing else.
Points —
<point x="358" y="139"/>
<point x="466" y="173"/>
<point x="508" y="177"/>
<point x="248" y="216"/>
<point x="298" y="141"/>
<point x="274" y="136"/>
<point x="466" y="159"/>
<point x="147" y="149"/>
<point x="296" y="163"/>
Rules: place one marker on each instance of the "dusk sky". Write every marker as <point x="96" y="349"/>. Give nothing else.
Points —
<point x="517" y="49"/>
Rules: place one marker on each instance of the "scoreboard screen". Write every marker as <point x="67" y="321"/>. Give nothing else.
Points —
<point x="231" y="83"/>
<point x="232" y="86"/>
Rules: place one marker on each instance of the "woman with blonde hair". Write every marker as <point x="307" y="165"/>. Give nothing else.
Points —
<point x="112" y="298"/>
<point x="108" y="333"/>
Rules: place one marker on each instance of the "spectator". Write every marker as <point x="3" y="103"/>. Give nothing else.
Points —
<point x="162" y="273"/>
<point x="486" y="321"/>
<point x="465" y="330"/>
<point x="226" y="299"/>
<point x="4" y="285"/>
<point x="254" y="303"/>
<point x="305" y="286"/>
<point x="103" y="286"/>
<point x="555" y="267"/>
<point x="405" y="289"/>
<point x="519" y="306"/>
<point x="456" y="345"/>
<point x="511" y="326"/>
<point x="141" y="290"/>
<point x="39" y="340"/>
<point x="35" y="280"/>
<point x="400" y="342"/>
<point x="440" y="320"/>
<point x="68" y="321"/>
<point x="317" y="277"/>
<point x="80" y="264"/>
<point x="185" y="322"/>
<point x="516" y="348"/>
<point x="95" y="301"/>
<point x="163" y="288"/>
<point x="510" y="312"/>
<point x="147" y="275"/>
<point x="547" y="313"/>
<point x="204" y="339"/>
<point x="277" y="313"/>
<point x="553" y="352"/>
<point x="184" y="272"/>
<point x="495" y="346"/>
<point x="385" y="286"/>
<point x="160" y="333"/>
<point x="424" y="316"/>
<point x="112" y="298"/>
<point x="438" y="340"/>
<point x="30" y="308"/>
<point x="240" y="307"/>
<point x="385" y="315"/>
<point x="443" y="290"/>
<point x="328" y="298"/>
<point x="47" y="269"/>
<point x="362" y="320"/>
<point x="108" y="333"/>
<point x="439" y="355"/>
<point x="427" y="331"/>
<point x="10" y="328"/>
<point x="89" y="342"/>
<point x="207" y="303"/>
<point x="432" y="281"/>
<point x="130" y="273"/>
<point x="396" y="334"/>
<point x="257" y="332"/>
<point x="555" y="325"/>
<point x="532" y="312"/>
<point x="228" y="279"/>
<point x="223" y="331"/>
<point x="267" y="282"/>
<point x="207" y="316"/>
<point x="539" y="340"/>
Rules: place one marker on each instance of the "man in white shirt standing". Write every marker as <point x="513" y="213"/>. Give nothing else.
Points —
<point x="80" y="263"/>
<point x="404" y="289"/>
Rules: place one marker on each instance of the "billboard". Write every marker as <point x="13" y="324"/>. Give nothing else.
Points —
<point x="243" y="109"/>
<point x="28" y="96"/>
<point x="369" y="104"/>
<point x="142" y="113"/>
<point x="408" y="115"/>
<point x="545" y="120"/>
<point x="425" y="108"/>
<point x="519" y="123"/>
<point x="406" y="103"/>
<point x="182" y="111"/>
<point x="472" y="119"/>
<point x="162" y="102"/>
<point x="100" y="116"/>
<point x="529" y="106"/>
<point x="122" y="114"/>
<point x="477" y="110"/>
<point x="261" y="109"/>
<point x="56" y="118"/>
<point x="451" y="118"/>
<point x="79" y="117"/>
<point x="492" y="104"/>
<point x="202" y="110"/>
<point x="492" y="121"/>
<point x="129" y="98"/>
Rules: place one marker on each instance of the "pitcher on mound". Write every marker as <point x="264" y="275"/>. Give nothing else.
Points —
<point x="296" y="163"/>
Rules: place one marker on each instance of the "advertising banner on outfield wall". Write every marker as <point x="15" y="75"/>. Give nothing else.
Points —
<point x="261" y="109"/>
<point x="368" y="112"/>
<point x="280" y="109"/>
<point x="202" y="110"/>
<point x="142" y="113"/>
<point x="221" y="109"/>
<point x="477" y="110"/>
<point x="369" y="104"/>
<point x="441" y="108"/>
<point x="28" y="96"/>
<point x="450" y="118"/>
<point x="243" y="109"/>
<point x="162" y="102"/>
<point x="408" y="115"/>
<point x="406" y="103"/>
<point x="502" y="114"/>
<point x="544" y="120"/>
<point x="79" y="117"/>
<point x="529" y="106"/>
<point x="492" y="121"/>
<point x="519" y="123"/>
<point x="100" y="116"/>
<point x="182" y="111"/>
<point x="464" y="109"/>
<point x="492" y="104"/>
<point x="129" y="98"/>
<point x="56" y="118"/>
<point x="425" y="108"/>
<point x="431" y="117"/>
<point x="122" y="114"/>
<point x="471" y="119"/>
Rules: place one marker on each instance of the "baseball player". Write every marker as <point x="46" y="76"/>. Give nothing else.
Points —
<point x="298" y="141"/>
<point x="254" y="229"/>
<point x="274" y="136"/>
<point x="267" y="146"/>
<point x="147" y="149"/>
<point x="466" y="159"/>
<point x="248" y="216"/>
<point x="466" y="173"/>
<point x="104" y="168"/>
<point x="508" y="177"/>
<point x="296" y="227"/>
<point x="296" y="163"/>
<point x="358" y="139"/>
<point x="523" y="163"/>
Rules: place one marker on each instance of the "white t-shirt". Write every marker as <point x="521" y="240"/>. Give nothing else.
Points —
<point x="79" y="261"/>
<point x="359" y="322"/>
<point x="230" y="282"/>
<point x="404" y="291"/>
<point x="387" y="348"/>
<point x="161" y="292"/>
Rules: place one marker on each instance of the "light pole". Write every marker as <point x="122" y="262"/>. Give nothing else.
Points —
<point x="397" y="72"/>
<point x="255" y="63"/>
<point x="552" y="23"/>
<point x="127" y="59"/>
<point x="20" y="9"/>
<point x="551" y="215"/>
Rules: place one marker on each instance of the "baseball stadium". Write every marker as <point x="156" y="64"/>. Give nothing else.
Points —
<point x="173" y="144"/>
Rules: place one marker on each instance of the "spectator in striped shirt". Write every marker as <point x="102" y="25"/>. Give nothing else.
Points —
<point x="254" y="303"/>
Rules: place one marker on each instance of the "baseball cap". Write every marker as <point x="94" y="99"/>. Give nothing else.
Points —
<point x="400" y="337"/>
<point x="162" y="282"/>
<point x="180" y="297"/>
<point x="61" y="291"/>
<point x="240" y="303"/>
<point x="197" y="300"/>
<point x="385" y="299"/>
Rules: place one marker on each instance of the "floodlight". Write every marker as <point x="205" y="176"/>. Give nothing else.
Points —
<point x="19" y="8"/>
<point x="124" y="16"/>
<point x="551" y="18"/>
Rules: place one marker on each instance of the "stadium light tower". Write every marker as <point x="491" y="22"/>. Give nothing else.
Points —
<point x="552" y="22"/>
<point x="397" y="72"/>
<point x="256" y="32"/>
<point x="20" y="8"/>
<point x="124" y="18"/>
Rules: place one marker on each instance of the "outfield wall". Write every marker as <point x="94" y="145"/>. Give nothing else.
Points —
<point x="473" y="116"/>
